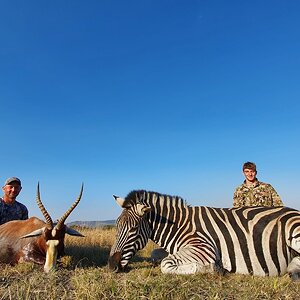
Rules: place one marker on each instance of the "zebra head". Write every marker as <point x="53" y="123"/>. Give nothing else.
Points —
<point x="132" y="235"/>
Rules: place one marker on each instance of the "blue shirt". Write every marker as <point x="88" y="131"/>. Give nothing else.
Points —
<point x="15" y="211"/>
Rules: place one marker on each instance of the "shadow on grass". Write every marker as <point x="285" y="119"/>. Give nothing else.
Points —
<point x="95" y="256"/>
<point x="85" y="256"/>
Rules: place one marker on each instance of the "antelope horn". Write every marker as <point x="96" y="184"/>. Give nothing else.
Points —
<point x="68" y="212"/>
<point x="42" y="208"/>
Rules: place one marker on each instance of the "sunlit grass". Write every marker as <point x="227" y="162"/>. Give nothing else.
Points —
<point x="83" y="274"/>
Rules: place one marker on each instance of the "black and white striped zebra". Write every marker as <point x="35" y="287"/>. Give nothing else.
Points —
<point x="251" y="240"/>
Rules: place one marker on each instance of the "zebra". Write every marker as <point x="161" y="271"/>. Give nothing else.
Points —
<point x="261" y="241"/>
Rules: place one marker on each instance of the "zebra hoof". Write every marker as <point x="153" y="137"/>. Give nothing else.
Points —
<point x="295" y="276"/>
<point x="158" y="255"/>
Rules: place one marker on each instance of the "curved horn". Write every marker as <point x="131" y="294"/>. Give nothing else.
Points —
<point x="42" y="208"/>
<point x="68" y="212"/>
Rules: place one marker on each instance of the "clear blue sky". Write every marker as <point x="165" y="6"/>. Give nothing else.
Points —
<point x="170" y="96"/>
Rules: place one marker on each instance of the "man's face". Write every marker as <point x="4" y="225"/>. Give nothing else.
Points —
<point x="12" y="190"/>
<point x="250" y="175"/>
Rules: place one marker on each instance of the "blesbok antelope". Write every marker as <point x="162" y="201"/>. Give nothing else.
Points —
<point x="34" y="240"/>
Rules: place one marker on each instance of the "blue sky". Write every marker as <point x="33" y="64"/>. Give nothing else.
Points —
<point x="169" y="96"/>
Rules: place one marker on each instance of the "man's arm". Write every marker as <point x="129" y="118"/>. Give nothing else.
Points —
<point x="276" y="200"/>
<point x="25" y="213"/>
<point x="236" y="199"/>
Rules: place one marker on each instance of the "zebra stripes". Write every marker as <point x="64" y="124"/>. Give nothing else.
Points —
<point x="251" y="240"/>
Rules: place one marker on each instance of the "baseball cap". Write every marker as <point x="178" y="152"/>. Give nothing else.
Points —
<point x="12" y="179"/>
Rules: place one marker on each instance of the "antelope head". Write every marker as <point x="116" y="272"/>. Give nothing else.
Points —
<point x="51" y="236"/>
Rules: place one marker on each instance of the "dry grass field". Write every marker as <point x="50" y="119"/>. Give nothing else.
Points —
<point x="83" y="274"/>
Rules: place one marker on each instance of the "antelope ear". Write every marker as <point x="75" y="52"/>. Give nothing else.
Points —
<point x="73" y="232"/>
<point x="120" y="201"/>
<point x="34" y="233"/>
<point x="142" y="209"/>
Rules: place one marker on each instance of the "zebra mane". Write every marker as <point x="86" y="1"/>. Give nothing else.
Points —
<point x="143" y="196"/>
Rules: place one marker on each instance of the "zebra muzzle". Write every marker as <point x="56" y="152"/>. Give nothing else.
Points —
<point x="114" y="262"/>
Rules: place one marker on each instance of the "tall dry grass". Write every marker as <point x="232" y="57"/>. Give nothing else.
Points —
<point x="83" y="275"/>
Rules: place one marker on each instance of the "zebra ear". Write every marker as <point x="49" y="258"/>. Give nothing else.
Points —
<point x="119" y="200"/>
<point x="142" y="209"/>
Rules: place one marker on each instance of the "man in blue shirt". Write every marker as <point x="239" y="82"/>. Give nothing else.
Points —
<point x="10" y="209"/>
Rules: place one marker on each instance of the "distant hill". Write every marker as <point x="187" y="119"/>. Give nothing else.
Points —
<point x="93" y="224"/>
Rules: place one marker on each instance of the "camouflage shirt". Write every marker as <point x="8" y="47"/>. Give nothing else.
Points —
<point x="16" y="211"/>
<point x="260" y="194"/>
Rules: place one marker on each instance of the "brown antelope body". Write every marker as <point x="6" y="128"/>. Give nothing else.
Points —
<point x="35" y="240"/>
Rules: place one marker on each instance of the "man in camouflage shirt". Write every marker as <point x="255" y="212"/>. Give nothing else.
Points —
<point x="253" y="192"/>
<point x="10" y="209"/>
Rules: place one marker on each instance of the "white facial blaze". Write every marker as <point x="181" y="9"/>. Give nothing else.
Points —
<point x="51" y="255"/>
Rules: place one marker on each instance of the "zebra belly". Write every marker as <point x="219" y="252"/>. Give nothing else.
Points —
<point x="245" y="254"/>
<point x="255" y="267"/>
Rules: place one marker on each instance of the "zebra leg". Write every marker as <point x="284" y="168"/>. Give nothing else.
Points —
<point x="294" y="268"/>
<point x="190" y="260"/>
